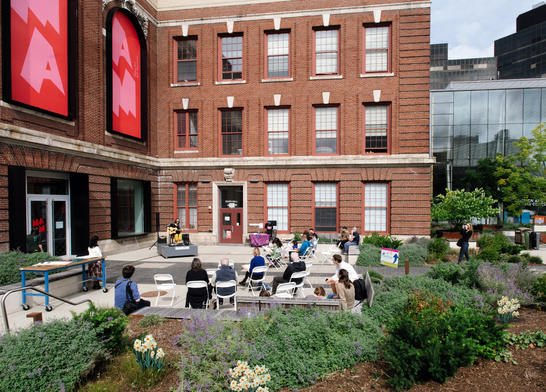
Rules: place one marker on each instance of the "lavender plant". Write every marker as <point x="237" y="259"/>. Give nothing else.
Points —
<point x="510" y="280"/>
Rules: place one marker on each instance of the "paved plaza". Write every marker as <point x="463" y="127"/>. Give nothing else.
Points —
<point x="148" y="263"/>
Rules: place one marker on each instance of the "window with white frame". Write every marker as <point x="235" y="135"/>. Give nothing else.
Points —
<point x="325" y="207"/>
<point x="375" y="207"/>
<point x="326" y="52"/>
<point x="377" y="49"/>
<point x="277" y="131"/>
<point x="326" y="124"/>
<point x="376" y="128"/>
<point x="278" y="55"/>
<point x="277" y="205"/>
<point x="186" y="205"/>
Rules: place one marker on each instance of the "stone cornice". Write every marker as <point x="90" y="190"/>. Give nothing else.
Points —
<point x="11" y="134"/>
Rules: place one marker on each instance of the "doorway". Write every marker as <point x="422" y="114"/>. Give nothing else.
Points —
<point x="48" y="213"/>
<point x="231" y="215"/>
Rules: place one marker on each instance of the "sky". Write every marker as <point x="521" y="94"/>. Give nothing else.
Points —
<point x="470" y="27"/>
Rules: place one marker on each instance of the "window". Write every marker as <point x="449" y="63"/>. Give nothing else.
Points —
<point x="232" y="57"/>
<point x="326" y="52"/>
<point x="186" y="60"/>
<point x="186" y="205"/>
<point x="277" y="205"/>
<point x="326" y="207"/>
<point x="232" y="132"/>
<point x="130" y="206"/>
<point x="375" y="207"/>
<point x="376" y="123"/>
<point x="326" y="130"/>
<point x="277" y="131"/>
<point x="278" y="46"/>
<point x="376" y="49"/>
<point x="186" y="129"/>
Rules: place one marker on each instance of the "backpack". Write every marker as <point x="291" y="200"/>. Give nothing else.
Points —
<point x="360" y="290"/>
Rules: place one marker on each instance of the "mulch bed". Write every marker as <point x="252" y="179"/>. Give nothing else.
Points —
<point x="528" y="376"/>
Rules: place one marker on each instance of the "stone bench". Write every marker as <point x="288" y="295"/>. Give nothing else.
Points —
<point x="256" y="304"/>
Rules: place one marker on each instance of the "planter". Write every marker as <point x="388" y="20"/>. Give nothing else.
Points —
<point x="455" y="235"/>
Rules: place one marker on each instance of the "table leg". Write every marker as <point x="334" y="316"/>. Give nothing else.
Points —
<point x="84" y="278"/>
<point x="103" y="269"/>
<point x="46" y="286"/>
<point x="24" y="292"/>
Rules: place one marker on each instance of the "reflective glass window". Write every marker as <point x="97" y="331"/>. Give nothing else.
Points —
<point x="514" y="106"/>
<point x="461" y="107"/>
<point x="496" y="107"/>
<point x="478" y="107"/>
<point x="531" y="106"/>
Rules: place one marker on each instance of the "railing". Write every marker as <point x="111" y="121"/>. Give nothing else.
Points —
<point x="3" y="301"/>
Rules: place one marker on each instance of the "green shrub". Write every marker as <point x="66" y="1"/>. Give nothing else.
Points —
<point x="382" y="241"/>
<point x="49" y="357"/>
<point x="535" y="260"/>
<point x="298" y="346"/>
<point x="297" y="237"/>
<point x="492" y="246"/>
<point x="109" y="323"/>
<point x="539" y="288"/>
<point x="438" y="247"/>
<point x="394" y="292"/>
<point x="513" y="259"/>
<point x="10" y="262"/>
<point x="430" y="341"/>
<point x="375" y="276"/>
<point x="151" y="320"/>
<point x="370" y="255"/>
<point x="416" y="254"/>
<point x="462" y="274"/>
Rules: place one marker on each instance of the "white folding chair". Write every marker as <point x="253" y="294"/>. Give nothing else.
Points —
<point x="327" y="254"/>
<point x="164" y="282"/>
<point x="298" y="275"/>
<point x="273" y="261"/>
<point x="285" y="290"/>
<point x="256" y="282"/>
<point x="211" y="272"/>
<point x="226" y="285"/>
<point x="199" y="284"/>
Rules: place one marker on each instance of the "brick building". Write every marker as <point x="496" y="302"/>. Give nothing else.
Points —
<point x="224" y="113"/>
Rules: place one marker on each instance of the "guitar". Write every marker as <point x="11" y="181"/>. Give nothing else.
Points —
<point x="172" y="230"/>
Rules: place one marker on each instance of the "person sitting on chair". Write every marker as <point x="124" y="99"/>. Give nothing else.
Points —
<point x="224" y="274"/>
<point x="305" y="244"/>
<point x="354" y="240"/>
<point x="336" y="259"/>
<point x="197" y="297"/>
<point x="295" y="266"/>
<point x="257" y="261"/>
<point x="174" y="231"/>
<point x="120" y="295"/>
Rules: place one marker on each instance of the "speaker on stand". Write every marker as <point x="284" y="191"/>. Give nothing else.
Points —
<point x="156" y="230"/>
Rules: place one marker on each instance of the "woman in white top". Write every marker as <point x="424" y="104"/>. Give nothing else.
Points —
<point x="94" y="270"/>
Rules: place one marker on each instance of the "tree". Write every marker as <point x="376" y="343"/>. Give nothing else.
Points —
<point x="483" y="176"/>
<point x="459" y="206"/>
<point x="521" y="177"/>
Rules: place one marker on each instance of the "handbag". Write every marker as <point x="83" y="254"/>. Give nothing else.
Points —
<point x="130" y="304"/>
<point x="460" y="242"/>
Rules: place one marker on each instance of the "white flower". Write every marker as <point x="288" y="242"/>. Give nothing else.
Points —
<point x="137" y="344"/>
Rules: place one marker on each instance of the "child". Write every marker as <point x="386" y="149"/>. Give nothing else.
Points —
<point x="319" y="293"/>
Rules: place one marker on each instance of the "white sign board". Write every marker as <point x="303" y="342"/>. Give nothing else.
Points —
<point x="389" y="257"/>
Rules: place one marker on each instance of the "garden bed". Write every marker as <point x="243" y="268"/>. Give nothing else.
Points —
<point x="485" y="375"/>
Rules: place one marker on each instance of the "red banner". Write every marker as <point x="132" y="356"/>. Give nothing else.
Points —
<point x="126" y="77"/>
<point x="39" y="54"/>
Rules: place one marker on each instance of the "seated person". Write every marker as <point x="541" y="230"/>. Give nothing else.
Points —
<point x="318" y="293"/>
<point x="197" y="297"/>
<point x="174" y="232"/>
<point x="345" y="290"/>
<point x="120" y="295"/>
<point x="305" y="244"/>
<point x="339" y="266"/>
<point x="224" y="274"/>
<point x="257" y="261"/>
<point x="344" y="238"/>
<point x="295" y="266"/>
<point x="354" y="240"/>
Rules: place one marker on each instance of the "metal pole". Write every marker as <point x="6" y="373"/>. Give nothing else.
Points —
<point x="407" y="266"/>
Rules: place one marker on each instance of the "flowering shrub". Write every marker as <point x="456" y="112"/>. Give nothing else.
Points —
<point x="508" y="309"/>
<point x="109" y="323"/>
<point x="511" y="280"/>
<point x="148" y="356"/>
<point x="249" y="379"/>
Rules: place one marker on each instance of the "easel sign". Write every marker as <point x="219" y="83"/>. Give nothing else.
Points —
<point x="389" y="257"/>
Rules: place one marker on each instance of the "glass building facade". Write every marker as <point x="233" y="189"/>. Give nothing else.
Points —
<point x="474" y="120"/>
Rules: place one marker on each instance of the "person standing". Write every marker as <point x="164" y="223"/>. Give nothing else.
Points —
<point x="95" y="269"/>
<point x="466" y="233"/>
